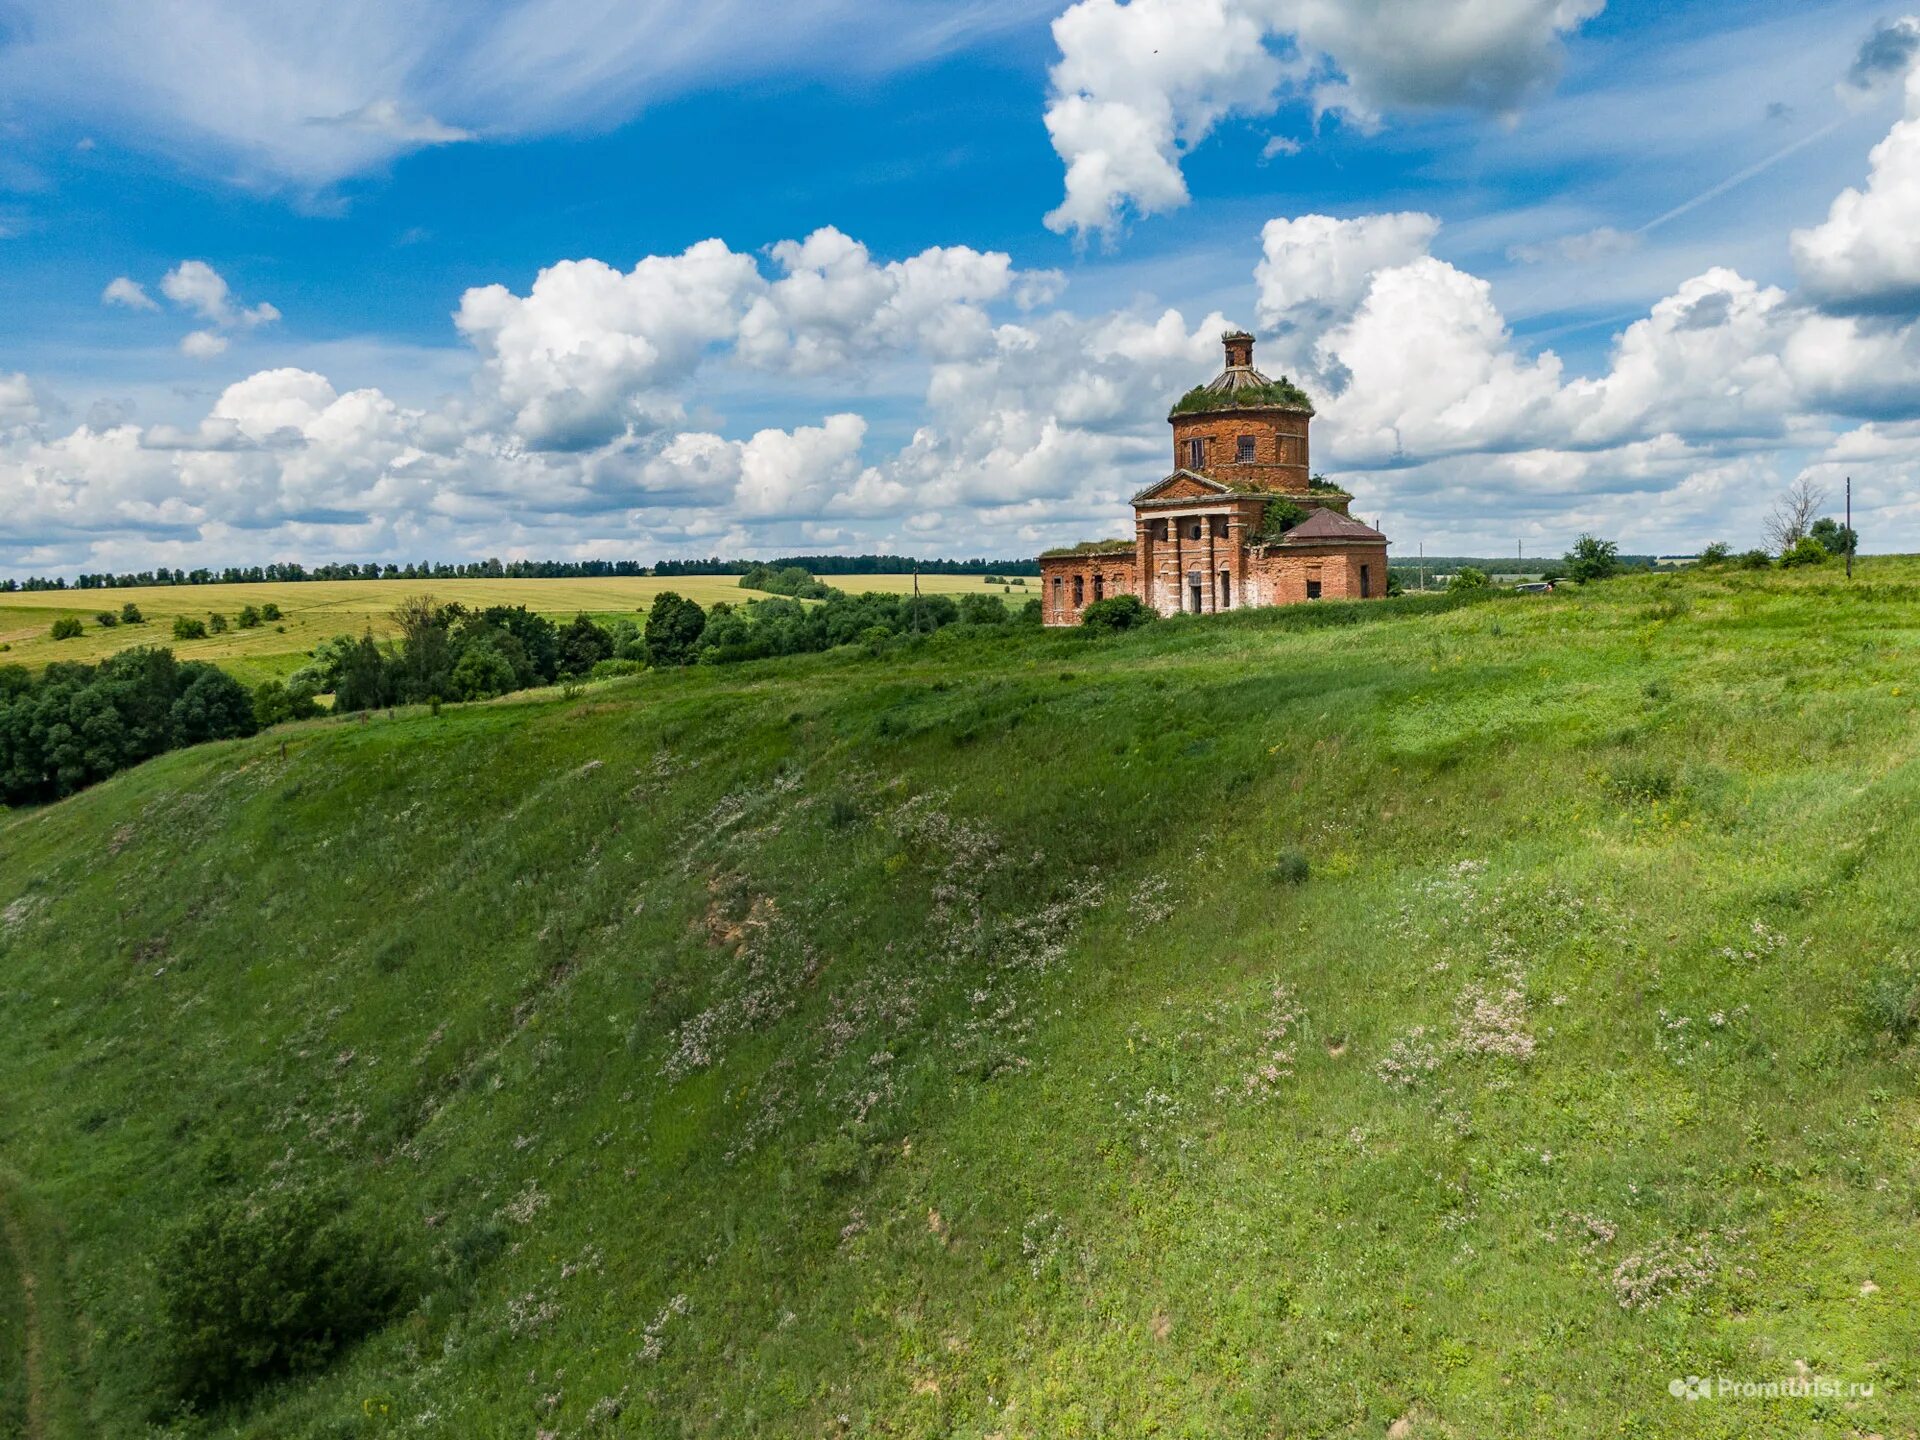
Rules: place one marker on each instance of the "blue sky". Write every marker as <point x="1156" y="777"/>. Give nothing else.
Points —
<point x="233" y="246"/>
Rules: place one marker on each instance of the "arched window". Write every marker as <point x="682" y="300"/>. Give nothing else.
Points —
<point x="1159" y="529"/>
<point x="1226" y="590"/>
<point x="1099" y="587"/>
<point x="1079" y="591"/>
<point x="1195" y="531"/>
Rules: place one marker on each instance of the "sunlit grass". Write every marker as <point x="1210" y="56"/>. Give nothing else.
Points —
<point x="948" y="1041"/>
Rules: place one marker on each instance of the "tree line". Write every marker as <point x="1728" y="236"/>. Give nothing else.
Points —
<point x="849" y="565"/>
<point x="450" y="652"/>
<point x="288" y="572"/>
<point x="75" y="724"/>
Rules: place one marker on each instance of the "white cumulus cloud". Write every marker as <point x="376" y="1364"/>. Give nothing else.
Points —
<point x="1862" y="257"/>
<point x="1139" y="84"/>
<point x="129" y="293"/>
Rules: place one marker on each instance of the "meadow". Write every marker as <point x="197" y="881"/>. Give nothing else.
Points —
<point x="1426" y="1017"/>
<point x="312" y="611"/>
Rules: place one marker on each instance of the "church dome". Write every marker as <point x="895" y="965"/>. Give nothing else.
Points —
<point x="1241" y="387"/>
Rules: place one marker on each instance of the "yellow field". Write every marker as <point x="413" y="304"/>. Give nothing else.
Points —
<point x="312" y="611"/>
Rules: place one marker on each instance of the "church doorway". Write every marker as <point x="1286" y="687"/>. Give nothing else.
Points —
<point x="1196" y="591"/>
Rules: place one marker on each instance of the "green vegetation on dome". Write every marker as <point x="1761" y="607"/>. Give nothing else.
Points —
<point x="1281" y="392"/>
<point x="1089" y="547"/>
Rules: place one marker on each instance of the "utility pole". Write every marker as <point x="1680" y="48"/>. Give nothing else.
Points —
<point x="1852" y="544"/>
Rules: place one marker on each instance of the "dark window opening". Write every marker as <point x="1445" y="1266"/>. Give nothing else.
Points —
<point x="1366" y="583"/>
<point x="1079" y="591"/>
<point x="1195" y="591"/>
<point x="1196" y="452"/>
<point x="1243" y="449"/>
<point x="1099" y="587"/>
<point x="1226" y="591"/>
<point x="1313" y="589"/>
<point x="1193" y="531"/>
<point x="1159" y="529"/>
<point x="1218" y="524"/>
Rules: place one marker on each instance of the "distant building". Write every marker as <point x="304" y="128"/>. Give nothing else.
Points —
<point x="1239" y="523"/>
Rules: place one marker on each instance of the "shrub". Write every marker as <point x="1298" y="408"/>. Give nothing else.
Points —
<point x="269" y="611"/>
<point x="1892" y="1003"/>
<point x="1032" y="613"/>
<point x="248" y="618"/>
<point x="982" y="610"/>
<point x="263" y="1286"/>
<point x="1718" y="553"/>
<point x="1754" y="560"/>
<point x="217" y="623"/>
<point x="1593" y="559"/>
<point x="1290" y="867"/>
<point x="1469" y="577"/>
<point x="1805" y="551"/>
<point x="185" y="627"/>
<point x="275" y="701"/>
<point x="130" y="614"/>
<point x="107" y="619"/>
<point x="1116" y="612"/>
<point x="67" y="627"/>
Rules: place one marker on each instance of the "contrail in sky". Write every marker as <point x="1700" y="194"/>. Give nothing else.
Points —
<point x="1716" y="191"/>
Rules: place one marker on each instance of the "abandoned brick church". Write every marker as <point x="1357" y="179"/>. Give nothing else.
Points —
<point x="1240" y="522"/>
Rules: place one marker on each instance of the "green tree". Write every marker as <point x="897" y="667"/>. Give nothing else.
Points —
<point x="130" y="614"/>
<point x="1467" y="577"/>
<point x="185" y="627"/>
<point x="481" y="673"/>
<point x="269" y="611"/>
<point x="212" y="706"/>
<point x="1833" y="537"/>
<point x="425" y="649"/>
<point x="107" y="619"/>
<point x="1592" y="558"/>
<point x="365" y="680"/>
<point x="217" y="623"/>
<point x="583" y="645"/>
<point x="1718" y="553"/>
<point x="248" y="618"/>
<point x="674" y="626"/>
<point x="67" y="627"/>
<point x="983" y="610"/>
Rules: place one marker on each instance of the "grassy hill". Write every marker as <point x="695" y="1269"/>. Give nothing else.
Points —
<point x="317" y="610"/>
<point x="1463" y="1018"/>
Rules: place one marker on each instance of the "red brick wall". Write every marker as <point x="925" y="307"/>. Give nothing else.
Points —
<point x="1099" y="577"/>
<point x="1280" y="575"/>
<point x="1281" y="460"/>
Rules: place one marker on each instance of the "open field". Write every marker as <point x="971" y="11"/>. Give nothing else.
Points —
<point x="1464" y="1017"/>
<point x="316" y="610"/>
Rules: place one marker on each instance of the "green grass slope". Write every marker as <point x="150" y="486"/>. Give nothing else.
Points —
<point x="947" y="1044"/>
